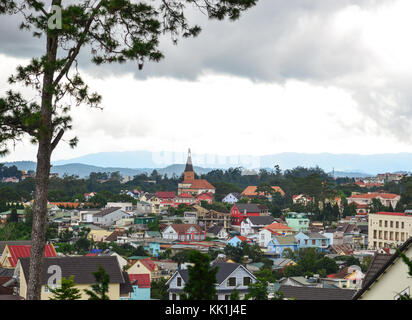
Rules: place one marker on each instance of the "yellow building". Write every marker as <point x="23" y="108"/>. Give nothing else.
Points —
<point x="98" y="235"/>
<point x="145" y="266"/>
<point x="388" y="229"/>
<point x="82" y="268"/>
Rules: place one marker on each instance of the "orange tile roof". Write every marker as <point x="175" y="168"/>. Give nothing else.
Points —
<point x="66" y="204"/>
<point x="199" y="184"/>
<point x="276" y="227"/>
<point x="251" y="191"/>
<point x="374" y="195"/>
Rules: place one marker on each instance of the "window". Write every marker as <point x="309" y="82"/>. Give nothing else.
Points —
<point x="391" y="224"/>
<point x="246" y="281"/>
<point x="231" y="282"/>
<point x="313" y="242"/>
<point x="227" y="297"/>
<point x="380" y="223"/>
<point x="397" y="224"/>
<point x="174" y="296"/>
<point x="386" y="224"/>
<point x="403" y="225"/>
<point x="179" y="281"/>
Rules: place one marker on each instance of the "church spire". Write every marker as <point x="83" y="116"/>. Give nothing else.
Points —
<point x="189" y="174"/>
<point x="189" y="165"/>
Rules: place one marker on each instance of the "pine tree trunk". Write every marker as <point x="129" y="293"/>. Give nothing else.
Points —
<point x="38" y="235"/>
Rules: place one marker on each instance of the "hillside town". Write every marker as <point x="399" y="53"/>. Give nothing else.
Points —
<point x="326" y="244"/>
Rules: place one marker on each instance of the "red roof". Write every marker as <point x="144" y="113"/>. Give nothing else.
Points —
<point x="391" y="213"/>
<point x="185" y="195"/>
<point x="199" y="184"/>
<point x="373" y="195"/>
<point x="141" y="280"/>
<point x="277" y="226"/>
<point x="165" y="194"/>
<point x="149" y="264"/>
<point x="66" y="204"/>
<point x="251" y="191"/>
<point x="205" y="195"/>
<point x="19" y="251"/>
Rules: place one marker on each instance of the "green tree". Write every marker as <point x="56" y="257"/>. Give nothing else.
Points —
<point x="101" y="287"/>
<point x="13" y="216"/>
<point x="201" y="284"/>
<point x="158" y="289"/>
<point x="258" y="290"/>
<point x="115" y="31"/>
<point x="67" y="290"/>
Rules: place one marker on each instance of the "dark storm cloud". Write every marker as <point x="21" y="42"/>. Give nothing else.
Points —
<point x="274" y="41"/>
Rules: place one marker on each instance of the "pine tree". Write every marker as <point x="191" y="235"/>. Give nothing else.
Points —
<point x="116" y="31"/>
<point x="13" y="216"/>
<point x="101" y="287"/>
<point x="67" y="290"/>
<point x="202" y="278"/>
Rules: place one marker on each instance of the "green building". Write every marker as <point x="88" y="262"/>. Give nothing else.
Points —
<point x="297" y="221"/>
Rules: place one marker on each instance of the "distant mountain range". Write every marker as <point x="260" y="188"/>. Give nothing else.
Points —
<point x="83" y="170"/>
<point x="130" y="163"/>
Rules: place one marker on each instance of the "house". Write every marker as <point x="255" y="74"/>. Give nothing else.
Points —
<point x="387" y="199"/>
<point x="252" y="225"/>
<point x="278" y="244"/>
<point x="241" y="211"/>
<point x="311" y="293"/>
<point x="205" y="196"/>
<point x="109" y="216"/>
<point x="184" y="198"/>
<point x="299" y="281"/>
<point x="312" y="240"/>
<point x="7" y="283"/>
<point x="82" y="268"/>
<point x="141" y="287"/>
<point x="145" y="266"/>
<point x="190" y="184"/>
<point x="12" y="253"/>
<point x="208" y="218"/>
<point x="274" y="229"/>
<point x="298" y="221"/>
<point x="184" y="232"/>
<point x="232" y="197"/>
<point x="152" y="234"/>
<point x="237" y="240"/>
<point x="250" y="192"/>
<point x="98" y="234"/>
<point x="281" y="263"/>
<point x="348" y="277"/>
<point x="230" y="276"/>
<point x="217" y="232"/>
<point x="387" y="276"/>
<point x="388" y="228"/>
<point x="302" y="199"/>
<point x="13" y="243"/>
<point x="4" y="216"/>
<point x="125" y="206"/>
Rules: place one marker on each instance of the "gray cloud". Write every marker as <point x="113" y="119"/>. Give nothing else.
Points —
<point x="276" y="41"/>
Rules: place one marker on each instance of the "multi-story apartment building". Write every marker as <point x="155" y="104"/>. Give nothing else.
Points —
<point x="388" y="229"/>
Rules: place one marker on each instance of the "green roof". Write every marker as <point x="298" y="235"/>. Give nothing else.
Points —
<point x="19" y="211"/>
<point x="137" y="257"/>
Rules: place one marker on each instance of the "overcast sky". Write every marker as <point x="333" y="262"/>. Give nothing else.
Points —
<point x="289" y="76"/>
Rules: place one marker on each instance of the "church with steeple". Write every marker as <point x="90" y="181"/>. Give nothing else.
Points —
<point x="193" y="186"/>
